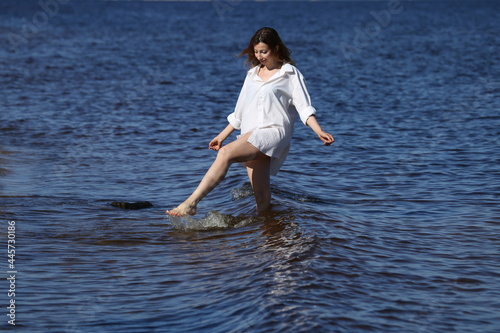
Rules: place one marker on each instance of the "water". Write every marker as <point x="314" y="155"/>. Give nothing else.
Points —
<point x="394" y="228"/>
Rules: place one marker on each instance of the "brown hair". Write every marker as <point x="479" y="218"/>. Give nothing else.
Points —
<point x="270" y="37"/>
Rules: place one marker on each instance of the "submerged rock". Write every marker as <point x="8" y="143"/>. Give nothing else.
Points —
<point x="132" y="205"/>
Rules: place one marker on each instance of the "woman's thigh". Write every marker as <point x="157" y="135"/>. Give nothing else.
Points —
<point x="241" y="150"/>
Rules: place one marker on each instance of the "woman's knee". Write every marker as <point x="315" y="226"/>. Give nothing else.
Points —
<point x="238" y="152"/>
<point x="225" y="154"/>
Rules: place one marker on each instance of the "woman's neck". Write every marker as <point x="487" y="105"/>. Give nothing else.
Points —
<point x="272" y="66"/>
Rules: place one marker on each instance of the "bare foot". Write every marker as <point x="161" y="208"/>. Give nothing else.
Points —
<point x="183" y="210"/>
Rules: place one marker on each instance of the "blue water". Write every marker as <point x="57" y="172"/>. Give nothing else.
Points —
<point x="394" y="228"/>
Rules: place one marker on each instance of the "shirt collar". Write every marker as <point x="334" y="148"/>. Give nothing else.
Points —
<point x="285" y="68"/>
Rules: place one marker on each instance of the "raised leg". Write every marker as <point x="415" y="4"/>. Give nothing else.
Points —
<point x="259" y="175"/>
<point x="239" y="150"/>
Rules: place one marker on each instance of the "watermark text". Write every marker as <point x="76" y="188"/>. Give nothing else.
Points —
<point x="11" y="272"/>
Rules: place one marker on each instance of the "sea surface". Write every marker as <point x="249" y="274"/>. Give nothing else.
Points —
<point x="393" y="228"/>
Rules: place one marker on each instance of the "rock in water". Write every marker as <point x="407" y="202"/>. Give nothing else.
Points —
<point x="132" y="205"/>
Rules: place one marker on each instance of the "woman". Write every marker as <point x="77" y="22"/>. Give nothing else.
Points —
<point x="272" y="95"/>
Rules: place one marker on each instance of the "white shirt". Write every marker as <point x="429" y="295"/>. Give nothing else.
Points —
<point x="269" y="109"/>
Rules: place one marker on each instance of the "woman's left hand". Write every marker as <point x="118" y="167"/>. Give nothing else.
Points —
<point x="327" y="138"/>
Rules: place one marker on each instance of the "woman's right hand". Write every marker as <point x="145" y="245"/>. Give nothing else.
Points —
<point x="215" y="144"/>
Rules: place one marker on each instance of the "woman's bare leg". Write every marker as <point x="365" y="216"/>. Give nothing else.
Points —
<point x="239" y="150"/>
<point x="259" y="174"/>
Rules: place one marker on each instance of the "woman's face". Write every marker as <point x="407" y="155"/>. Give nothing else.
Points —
<point x="263" y="53"/>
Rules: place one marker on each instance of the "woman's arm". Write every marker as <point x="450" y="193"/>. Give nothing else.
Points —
<point x="216" y="142"/>
<point x="325" y="137"/>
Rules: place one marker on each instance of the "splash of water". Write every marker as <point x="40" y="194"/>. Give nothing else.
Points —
<point x="212" y="221"/>
<point x="242" y="192"/>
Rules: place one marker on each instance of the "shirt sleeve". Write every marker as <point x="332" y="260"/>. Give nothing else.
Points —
<point x="235" y="118"/>
<point x="300" y="97"/>
<point x="235" y="122"/>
